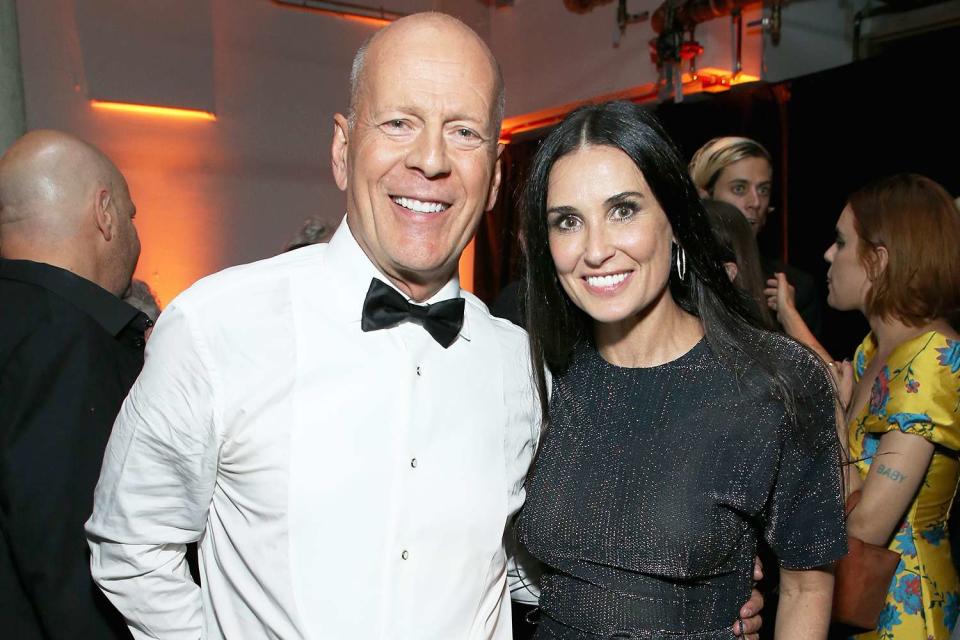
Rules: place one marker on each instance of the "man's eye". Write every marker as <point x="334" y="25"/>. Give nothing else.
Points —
<point x="737" y="189"/>
<point x="467" y="133"/>
<point x="764" y="191"/>
<point x="396" y="124"/>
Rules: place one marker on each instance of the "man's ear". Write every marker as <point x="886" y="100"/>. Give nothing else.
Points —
<point x="338" y="150"/>
<point x="495" y="181"/>
<point x="103" y="213"/>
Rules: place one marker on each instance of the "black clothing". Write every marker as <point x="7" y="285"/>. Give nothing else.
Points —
<point x="384" y="307"/>
<point x="69" y="353"/>
<point x="507" y="305"/>
<point x="652" y="486"/>
<point x="806" y="292"/>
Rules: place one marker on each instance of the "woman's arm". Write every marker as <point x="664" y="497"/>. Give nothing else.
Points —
<point x="781" y="298"/>
<point x="805" y="600"/>
<point x="896" y="472"/>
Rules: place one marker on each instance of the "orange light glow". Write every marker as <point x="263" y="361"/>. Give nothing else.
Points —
<point x="149" y="110"/>
<point x="709" y="80"/>
<point x="370" y="22"/>
<point x="182" y="211"/>
<point x="367" y="20"/>
<point x="466" y="266"/>
<point x="713" y="80"/>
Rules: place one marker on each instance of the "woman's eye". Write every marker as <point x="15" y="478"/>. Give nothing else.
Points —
<point x="623" y="211"/>
<point x="565" y="223"/>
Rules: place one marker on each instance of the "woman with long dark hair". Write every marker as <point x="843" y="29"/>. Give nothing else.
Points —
<point x="741" y="258"/>
<point x="678" y="431"/>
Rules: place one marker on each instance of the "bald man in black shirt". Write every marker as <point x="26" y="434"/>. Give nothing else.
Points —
<point x="69" y="351"/>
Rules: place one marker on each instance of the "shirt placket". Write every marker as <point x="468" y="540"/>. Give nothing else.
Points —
<point x="406" y="555"/>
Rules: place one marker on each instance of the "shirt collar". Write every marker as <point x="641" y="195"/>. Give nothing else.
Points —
<point x="350" y="271"/>
<point x="109" y="311"/>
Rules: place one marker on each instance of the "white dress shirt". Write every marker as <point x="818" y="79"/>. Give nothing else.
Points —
<point x="342" y="484"/>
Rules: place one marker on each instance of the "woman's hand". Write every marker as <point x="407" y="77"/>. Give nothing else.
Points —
<point x="748" y="626"/>
<point x="782" y="299"/>
<point x="842" y="372"/>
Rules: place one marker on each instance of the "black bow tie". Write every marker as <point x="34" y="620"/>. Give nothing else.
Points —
<point x="385" y="307"/>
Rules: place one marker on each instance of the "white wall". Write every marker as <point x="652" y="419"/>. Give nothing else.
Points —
<point x="209" y="194"/>
<point x="215" y="194"/>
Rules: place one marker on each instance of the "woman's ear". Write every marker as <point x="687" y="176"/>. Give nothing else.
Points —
<point x="879" y="263"/>
<point x="731" y="269"/>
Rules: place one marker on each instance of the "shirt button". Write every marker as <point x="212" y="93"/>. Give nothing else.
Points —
<point x="405" y="554"/>
<point x="418" y="370"/>
<point x="413" y="463"/>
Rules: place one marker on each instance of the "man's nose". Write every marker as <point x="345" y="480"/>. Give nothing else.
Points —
<point x="429" y="153"/>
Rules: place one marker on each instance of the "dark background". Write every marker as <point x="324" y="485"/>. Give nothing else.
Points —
<point x="829" y="133"/>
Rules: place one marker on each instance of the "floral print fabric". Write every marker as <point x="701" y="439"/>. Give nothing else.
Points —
<point x="917" y="391"/>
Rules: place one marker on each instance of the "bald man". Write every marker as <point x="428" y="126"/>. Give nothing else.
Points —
<point x="69" y="352"/>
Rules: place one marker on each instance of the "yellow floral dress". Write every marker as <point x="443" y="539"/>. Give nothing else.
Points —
<point x="917" y="391"/>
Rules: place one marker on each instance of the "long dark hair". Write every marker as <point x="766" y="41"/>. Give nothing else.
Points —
<point x="737" y="242"/>
<point x="729" y="317"/>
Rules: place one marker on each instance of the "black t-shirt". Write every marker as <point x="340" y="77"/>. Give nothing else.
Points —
<point x="652" y="485"/>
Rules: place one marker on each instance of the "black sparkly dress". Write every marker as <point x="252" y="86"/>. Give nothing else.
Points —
<point x="652" y="486"/>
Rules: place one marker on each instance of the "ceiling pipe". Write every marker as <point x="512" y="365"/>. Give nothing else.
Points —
<point x="343" y="9"/>
<point x="689" y="13"/>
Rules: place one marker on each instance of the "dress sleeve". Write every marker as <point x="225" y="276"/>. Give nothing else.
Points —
<point x="921" y="395"/>
<point x="804" y="524"/>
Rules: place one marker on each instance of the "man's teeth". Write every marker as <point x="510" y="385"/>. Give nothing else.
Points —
<point x="419" y="206"/>
<point x="606" y="281"/>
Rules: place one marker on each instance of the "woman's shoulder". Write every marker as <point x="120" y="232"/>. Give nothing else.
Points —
<point x="918" y="389"/>
<point x="800" y="368"/>
<point x="935" y="350"/>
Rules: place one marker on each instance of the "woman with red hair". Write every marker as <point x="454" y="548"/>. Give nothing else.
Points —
<point x="896" y="259"/>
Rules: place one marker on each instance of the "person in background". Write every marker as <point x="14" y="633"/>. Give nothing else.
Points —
<point x="741" y="259"/>
<point x="313" y="230"/>
<point x="69" y="351"/>
<point x="896" y="260"/>
<point x="140" y="296"/>
<point x="739" y="171"/>
<point x="678" y="430"/>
